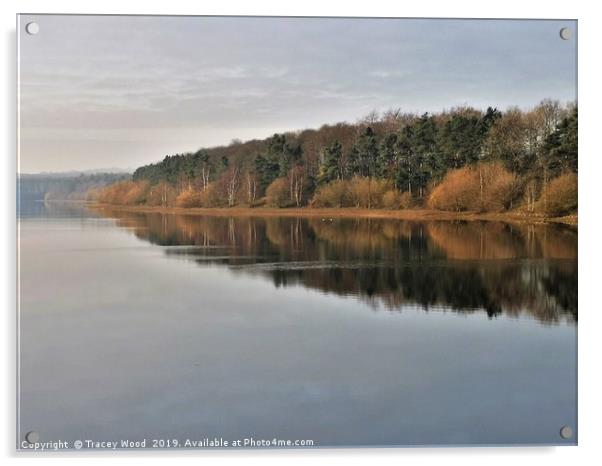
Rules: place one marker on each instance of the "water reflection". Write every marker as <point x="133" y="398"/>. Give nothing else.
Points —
<point x="463" y="266"/>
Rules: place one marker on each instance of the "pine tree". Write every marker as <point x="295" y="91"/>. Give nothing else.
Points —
<point x="331" y="169"/>
<point x="387" y="160"/>
<point x="428" y="161"/>
<point x="406" y="169"/>
<point x="560" y="148"/>
<point x="367" y="153"/>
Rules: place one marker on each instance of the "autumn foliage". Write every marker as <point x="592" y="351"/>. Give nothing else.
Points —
<point x="125" y="193"/>
<point x="368" y="192"/>
<point x="393" y="199"/>
<point x="333" y="194"/>
<point x="559" y="196"/>
<point x="463" y="159"/>
<point x="189" y="198"/>
<point x="278" y="193"/>
<point x="482" y="187"/>
<point x="360" y="191"/>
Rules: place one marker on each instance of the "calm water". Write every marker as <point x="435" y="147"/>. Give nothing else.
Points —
<point x="344" y="332"/>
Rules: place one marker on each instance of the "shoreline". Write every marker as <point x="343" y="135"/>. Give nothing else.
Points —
<point x="344" y="212"/>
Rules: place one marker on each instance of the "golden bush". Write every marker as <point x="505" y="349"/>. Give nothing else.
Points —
<point x="213" y="196"/>
<point x="119" y="193"/>
<point x="483" y="187"/>
<point x="456" y="192"/>
<point x="406" y="201"/>
<point x="161" y="194"/>
<point x="368" y="192"/>
<point x="189" y="198"/>
<point x="559" y="196"/>
<point x="136" y="193"/>
<point x="392" y="199"/>
<point x="500" y="187"/>
<point x="333" y="194"/>
<point x="278" y="193"/>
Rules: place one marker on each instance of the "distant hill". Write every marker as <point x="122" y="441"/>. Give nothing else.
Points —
<point x="74" y="173"/>
<point x="73" y="185"/>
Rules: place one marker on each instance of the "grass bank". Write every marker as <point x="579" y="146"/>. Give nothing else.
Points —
<point x="347" y="212"/>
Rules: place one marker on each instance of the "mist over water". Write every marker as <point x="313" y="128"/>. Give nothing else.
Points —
<point x="344" y="331"/>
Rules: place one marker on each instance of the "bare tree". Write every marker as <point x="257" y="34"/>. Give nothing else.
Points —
<point x="232" y="184"/>
<point x="296" y="179"/>
<point x="251" y="187"/>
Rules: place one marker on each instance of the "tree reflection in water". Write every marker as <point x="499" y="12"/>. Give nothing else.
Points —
<point x="462" y="266"/>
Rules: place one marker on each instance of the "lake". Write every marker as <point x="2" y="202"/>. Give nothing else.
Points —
<point x="344" y="332"/>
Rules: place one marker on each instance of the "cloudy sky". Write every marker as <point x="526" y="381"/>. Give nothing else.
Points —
<point x="110" y="91"/>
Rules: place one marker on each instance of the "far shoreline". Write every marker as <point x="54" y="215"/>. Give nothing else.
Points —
<point x="344" y="212"/>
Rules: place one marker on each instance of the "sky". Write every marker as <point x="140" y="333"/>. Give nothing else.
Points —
<point x="124" y="91"/>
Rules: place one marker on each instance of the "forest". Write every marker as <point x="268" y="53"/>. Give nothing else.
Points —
<point x="463" y="159"/>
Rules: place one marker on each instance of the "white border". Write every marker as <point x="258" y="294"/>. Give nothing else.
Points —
<point x="590" y="157"/>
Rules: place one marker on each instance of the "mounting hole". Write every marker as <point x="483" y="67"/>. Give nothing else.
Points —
<point x="566" y="432"/>
<point x="32" y="437"/>
<point x="565" y="33"/>
<point x="32" y="28"/>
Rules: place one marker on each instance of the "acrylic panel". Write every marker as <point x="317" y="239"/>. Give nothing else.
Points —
<point x="278" y="232"/>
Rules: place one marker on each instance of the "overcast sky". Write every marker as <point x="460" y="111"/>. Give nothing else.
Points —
<point x="110" y="91"/>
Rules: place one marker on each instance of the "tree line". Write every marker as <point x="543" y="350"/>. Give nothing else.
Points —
<point x="461" y="159"/>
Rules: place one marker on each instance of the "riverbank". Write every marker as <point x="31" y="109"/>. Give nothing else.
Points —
<point x="347" y="212"/>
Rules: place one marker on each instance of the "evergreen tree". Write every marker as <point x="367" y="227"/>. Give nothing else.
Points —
<point x="560" y="148"/>
<point x="366" y="154"/>
<point x="331" y="169"/>
<point x="428" y="162"/>
<point x="405" y="176"/>
<point x="289" y="158"/>
<point x="280" y="158"/>
<point x="488" y="120"/>
<point x="461" y="139"/>
<point x="267" y="171"/>
<point x="387" y="161"/>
